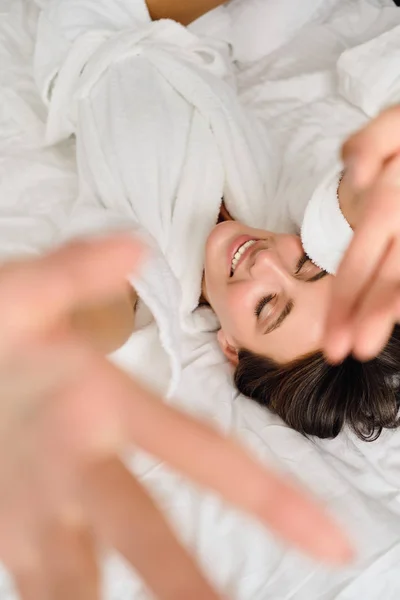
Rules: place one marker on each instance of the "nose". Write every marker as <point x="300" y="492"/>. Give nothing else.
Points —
<point x="267" y="263"/>
<point x="288" y="246"/>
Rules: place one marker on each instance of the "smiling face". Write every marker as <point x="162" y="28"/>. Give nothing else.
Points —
<point x="269" y="298"/>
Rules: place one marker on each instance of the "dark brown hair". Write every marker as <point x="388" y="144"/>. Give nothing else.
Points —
<point x="318" y="399"/>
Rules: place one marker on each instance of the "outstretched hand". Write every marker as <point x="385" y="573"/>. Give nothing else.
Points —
<point x="66" y="416"/>
<point x="366" y="298"/>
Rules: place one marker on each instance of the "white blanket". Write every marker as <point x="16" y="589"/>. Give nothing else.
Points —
<point x="359" y="482"/>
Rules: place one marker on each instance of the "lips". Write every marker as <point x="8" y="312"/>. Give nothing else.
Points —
<point x="233" y="249"/>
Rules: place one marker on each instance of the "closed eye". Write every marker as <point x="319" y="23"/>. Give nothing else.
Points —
<point x="262" y="303"/>
<point x="303" y="260"/>
<point x="300" y="263"/>
<point x="265" y="300"/>
<point x="278" y="322"/>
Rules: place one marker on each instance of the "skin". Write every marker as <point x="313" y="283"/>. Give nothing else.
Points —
<point x="109" y="325"/>
<point x="183" y="12"/>
<point x="270" y="268"/>
<point x="365" y="303"/>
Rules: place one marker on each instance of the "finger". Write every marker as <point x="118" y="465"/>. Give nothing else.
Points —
<point x="31" y="585"/>
<point x="365" y="153"/>
<point x="28" y="574"/>
<point x="362" y="259"/>
<point x="359" y="264"/>
<point x="377" y="313"/>
<point x="130" y="522"/>
<point x="372" y="335"/>
<point x="209" y="459"/>
<point x="69" y="553"/>
<point x="36" y="293"/>
<point x="30" y="379"/>
<point x="381" y="221"/>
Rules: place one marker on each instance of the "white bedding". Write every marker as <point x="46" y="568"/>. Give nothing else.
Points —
<point x="359" y="482"/>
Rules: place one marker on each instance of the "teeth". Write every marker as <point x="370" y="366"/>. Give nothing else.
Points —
<point x="239" y="253"/>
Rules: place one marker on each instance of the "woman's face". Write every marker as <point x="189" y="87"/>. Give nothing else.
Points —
<point x="268" y="297"/>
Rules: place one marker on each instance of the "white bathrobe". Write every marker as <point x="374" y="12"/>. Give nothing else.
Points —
<point x="161" y="137"/>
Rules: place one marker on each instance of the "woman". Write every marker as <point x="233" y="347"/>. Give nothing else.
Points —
<point x="254" y="280"/>
<point x="270" y="300"/>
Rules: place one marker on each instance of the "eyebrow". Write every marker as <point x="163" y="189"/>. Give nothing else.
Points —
<point x="278" y="322"/>
<point x="302" y="260"/>
<point x="318" y="276"/>
<point x="290" y="305"/>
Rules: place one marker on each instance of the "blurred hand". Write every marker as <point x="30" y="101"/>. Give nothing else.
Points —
<point x="66" y="415"/>
<point x="366" y="298"/>
<point x="366" y="152"/>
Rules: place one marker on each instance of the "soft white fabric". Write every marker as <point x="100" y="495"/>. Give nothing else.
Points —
<point x="368" y="79"/>
<point x="326" y="244"/>
<point x="161" y="138"/>
<point x="335" y="74"/>
<point x="358" y="482"/>
<point x="268" y="24"/>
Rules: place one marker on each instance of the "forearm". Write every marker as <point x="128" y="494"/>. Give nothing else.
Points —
<point x="183" y="11"/>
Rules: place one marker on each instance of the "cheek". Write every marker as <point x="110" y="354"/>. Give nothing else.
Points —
<point x="289" y="248"/>
<point x="304" y="332"/>
<point x="297" y="337"/>
<point x="320" y="303"/>
<point x="235" y="312"/>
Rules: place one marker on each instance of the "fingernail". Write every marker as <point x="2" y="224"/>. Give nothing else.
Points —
<point x="335" y="349"/>
<point x="335" y="549"/>
<point x="333" y="357"/>
<point x="336" y="360"/>
<point x="320" y="535"/>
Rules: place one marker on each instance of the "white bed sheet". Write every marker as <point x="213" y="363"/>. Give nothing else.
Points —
<point x="359" y="482"/>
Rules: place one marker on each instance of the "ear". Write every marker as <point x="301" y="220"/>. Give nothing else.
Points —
<point x="227" y="348"/>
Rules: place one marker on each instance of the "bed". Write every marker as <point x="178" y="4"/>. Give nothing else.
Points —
<point x="358" y="482"/>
